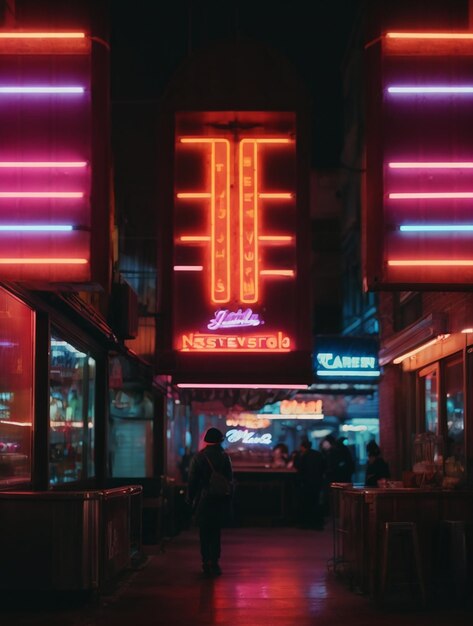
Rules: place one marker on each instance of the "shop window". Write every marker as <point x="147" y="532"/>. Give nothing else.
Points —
<point x="429" y="381"/>
<point x="71" y="413"/>
<point x="454" y="410"/>
<point x="131" y="422"/>
<point x="16" y="389"/>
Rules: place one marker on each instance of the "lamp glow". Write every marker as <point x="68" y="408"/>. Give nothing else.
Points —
<point x="275" y="196"/>
<point x="415" y="351"/>
<point x="276" y="238"/>
<point x="288" y="273"/>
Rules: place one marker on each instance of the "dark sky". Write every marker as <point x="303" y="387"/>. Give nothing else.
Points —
<point x="151" y="39"/>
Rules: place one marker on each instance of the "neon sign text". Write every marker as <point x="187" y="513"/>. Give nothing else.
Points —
<point x="277" y="342"/>
<point x="289" y="407"/>
<point x="332" y="362"/>
<point x="248" y="437"/>
<point x="228" y="319"/>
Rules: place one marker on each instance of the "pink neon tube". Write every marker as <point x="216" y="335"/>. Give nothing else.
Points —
<point x="19" y="164"/>
<point x="431" y="195"/>
<point x="41" y="194"/>
<point x="41" y="35"/>
<point x="41" y="261"/>
<point x="413" y="165"/>
<point x="431" y="262"/>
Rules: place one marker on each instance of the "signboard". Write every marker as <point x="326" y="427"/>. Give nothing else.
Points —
<point x="235" y="266"/>
<point x="46" y="154"/>
<point x="346" y="358"/>
<point x="418" y="220"/>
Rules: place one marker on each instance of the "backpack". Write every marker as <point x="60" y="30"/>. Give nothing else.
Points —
<point x="218" y="485"/>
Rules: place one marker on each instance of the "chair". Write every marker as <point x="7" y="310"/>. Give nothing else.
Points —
<point x="401" y="561"/>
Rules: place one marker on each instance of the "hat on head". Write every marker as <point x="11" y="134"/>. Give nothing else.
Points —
<point x="213" y="435"/>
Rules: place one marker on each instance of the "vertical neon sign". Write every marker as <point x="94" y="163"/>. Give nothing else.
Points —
<point x="236" y="188"/>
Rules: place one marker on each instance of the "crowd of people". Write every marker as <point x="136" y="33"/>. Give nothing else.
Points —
<point x="210" y="484"/>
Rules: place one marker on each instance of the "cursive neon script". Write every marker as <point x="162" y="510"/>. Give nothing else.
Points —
<point x="234" y="319"/>
<point x="248" y="436"/>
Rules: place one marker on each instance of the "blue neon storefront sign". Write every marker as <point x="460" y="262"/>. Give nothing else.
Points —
<point x="346" y="357"/>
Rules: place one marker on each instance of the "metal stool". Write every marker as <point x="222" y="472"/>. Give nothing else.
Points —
<point x="451" y="558"/>
<point x="401" y="558"/>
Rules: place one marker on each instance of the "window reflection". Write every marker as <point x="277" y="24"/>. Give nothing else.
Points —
<point x="16" y="388"/>
<point x="71" y="412"/>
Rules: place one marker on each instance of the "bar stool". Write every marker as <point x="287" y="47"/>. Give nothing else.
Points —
<point x="401" y="558"/>
<point x="451" y="559"/>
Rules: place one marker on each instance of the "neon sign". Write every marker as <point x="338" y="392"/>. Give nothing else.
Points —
<point x="422" y="206"/>
<point x="235" y="233"/>
<point x="296" y="407"/>
<point x="227" y="319"/>
<point x="248" y="437"/>
<point x="346" y="357"/>
<point x="45" y="157"/>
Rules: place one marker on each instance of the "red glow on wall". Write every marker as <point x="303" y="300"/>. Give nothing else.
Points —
<point x="235" y="217"/>
<point x="419" y="167"/>
<point x="45" y="156"/>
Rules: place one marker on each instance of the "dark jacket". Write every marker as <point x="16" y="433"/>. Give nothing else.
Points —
<point x="310" y="466"/>
<point x="209" y="510"/>
<point x="375" y="470"/>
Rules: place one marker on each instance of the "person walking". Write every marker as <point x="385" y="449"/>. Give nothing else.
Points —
<point x="310" y="467"/>
<point x="210" y="490"/>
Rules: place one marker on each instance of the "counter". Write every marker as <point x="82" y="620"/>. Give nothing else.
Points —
<point x="363" y="513"/>
<point x="264" y="496"/>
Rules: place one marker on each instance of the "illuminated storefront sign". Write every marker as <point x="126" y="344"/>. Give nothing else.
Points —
<point x="248" y="437"/>
<point x="235" y="233"/>
<point x="299" y="407"/>
<point x="247" y="420"/>
<point x="346" y="357"/>
<point x="418" y="222"/>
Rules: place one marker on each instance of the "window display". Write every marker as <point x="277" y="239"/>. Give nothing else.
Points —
<point x="16" y="388"/>
<point x="71" y="413"/>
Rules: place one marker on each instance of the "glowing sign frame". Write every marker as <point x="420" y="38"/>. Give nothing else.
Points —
<point x="236" y="197"/>
<point x="421" y="208"/>
<point x="51" y="214"/>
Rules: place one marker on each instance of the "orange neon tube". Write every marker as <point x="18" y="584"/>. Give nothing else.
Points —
<point x="194" y="195"/>
<point x="42" y="261"/>
<point x="276" y="196"/>
<point x="431" y="195"/>
<point x="275" y="140"/>
<point x="220" y="222"/>
<point x="249" y="222"/>
<point x="277" y="273"/>
<point x="41" y="35"/>
<point x="276" y="238"/>
<point x="432" y="262"/>
<point x="41" y="194"/>
<point x="429" y="35"/>
<point x="194" y="238"/>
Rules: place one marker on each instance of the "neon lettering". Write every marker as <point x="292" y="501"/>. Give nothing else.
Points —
<point x="192" y="342"/>
<point x="228" y="319"/>
<point x="248" y="437"/>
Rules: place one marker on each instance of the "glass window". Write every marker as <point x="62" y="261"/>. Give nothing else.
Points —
<point x="16" y="388"/>
<point x="71" y="413"/>
<point x="454" y="411"/>
<point x="131" y="422"/>
<point x="431" y="401"/>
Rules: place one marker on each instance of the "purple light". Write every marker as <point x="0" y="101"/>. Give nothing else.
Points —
<point x="430" y="90"/>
